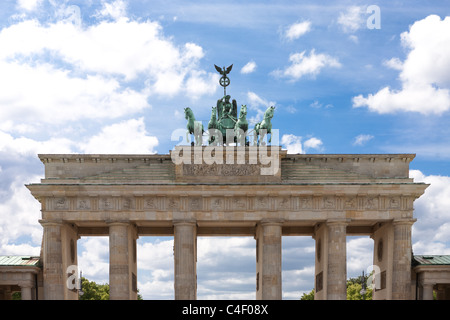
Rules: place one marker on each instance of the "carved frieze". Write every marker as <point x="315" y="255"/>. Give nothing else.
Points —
<point x="221" y="170"/>
<point x="230" y="203"/>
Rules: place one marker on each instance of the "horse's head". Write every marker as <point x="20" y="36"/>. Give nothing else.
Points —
<point x="269" y="112"/>
<point x="187" y="112"/>
<point x="243" y="111"/>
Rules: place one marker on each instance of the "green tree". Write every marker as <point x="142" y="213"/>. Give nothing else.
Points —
<point x="354" y="286"/>
<point x="94" y="291"/>
<point x="308" y="296"/>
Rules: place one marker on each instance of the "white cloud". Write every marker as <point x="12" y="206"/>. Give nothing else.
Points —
<point x="302" y="64"/>
<point x="294" y="145"/>
<point x="127" y="136"/>
<point x="116" y="9"/>
<point x="317" y="105"/>
<point x="54" y="96"/>
<point x="432" y="210"/>
<point x="19" y="215"/>
<point x="29" y="5"/>
<point x="258" y="104"/>
<point x="26" y="147"/>
<point x="362" y="139"/>
<point x="424" y="76"/>
<point x="351" y="20"/>
<point x="296" y="30"/>
<point x="93" y="258"/>
<point x="394" y="63"/>
<point x="359" y="255"/>
<point x="90" y="73"/>
<point x="312" y="143"/>
<point x="249" y="67"/>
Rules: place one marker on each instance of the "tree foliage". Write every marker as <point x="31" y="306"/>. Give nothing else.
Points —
<point x="308" y="296"/>
<point x="354" y="286"/>
<point x="94" y="291"/>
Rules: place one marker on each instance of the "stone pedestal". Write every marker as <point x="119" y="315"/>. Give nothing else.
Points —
<point x="268" y="260"/>
<point x="185" y="254"/>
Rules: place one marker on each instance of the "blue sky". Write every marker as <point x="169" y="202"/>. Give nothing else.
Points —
<point x="114" y="76"/>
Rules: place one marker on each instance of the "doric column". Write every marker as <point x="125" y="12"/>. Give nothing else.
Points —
<point x="26" y="291"/>
<point x="119" y="268"/>
<point x="185" y="256"/>
<point x="54" y="279"/>
<point x="268" y="260"/>
<point x="401" y="269"/>
<point x="427" y="291"/>
<point x="337" y="260"/>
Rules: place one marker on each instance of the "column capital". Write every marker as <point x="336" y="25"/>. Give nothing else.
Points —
<point x="338" y="221"/>
<point x="190" y="222"/>
<point x="45" y="223"/>
<point x="404" y="221"/>
<point x="118" y="222"/>
<point x="272" y="222"/>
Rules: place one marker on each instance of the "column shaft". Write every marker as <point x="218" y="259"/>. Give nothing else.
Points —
<point x="119" y="270"/>
<point x="268" y="266"/>
<point x="427" y="293"/>
<point x="54" y="279"/>
<point x="185" y="256"/>
<point x="26" y="292"/>
<point x="337" y="261"/>
<point x="401" y="274"/>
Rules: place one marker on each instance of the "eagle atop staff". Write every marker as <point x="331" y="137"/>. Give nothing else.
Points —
<point x="224" y="80"/>
<point x="223" y="71"/>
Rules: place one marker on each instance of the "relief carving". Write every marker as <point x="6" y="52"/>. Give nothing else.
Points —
<point x="262" y="203"/>
<point x="371" y="203"/>
<point x="83" y="204"/>
<point x="128" y="204"/>
<point x="283" y="203"/>
<point x="216" y="204"/>
<point x="61" y="204"/>
<point x="394" y="203"/>
<point x="350" y="203"/>
<point x="329" y="202"/>
<point x="195" y="204"/>
<point x="239" y="203"/>
<point x="174" y="204"/>
<point x="221" y="170"/>
<point x="150" y="203"/>
<point x="305" y="203"/>
<point x="106" y="204"/>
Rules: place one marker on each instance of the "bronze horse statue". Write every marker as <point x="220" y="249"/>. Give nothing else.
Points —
<point x="265" y="124"/>
<point x="193" y="127"/>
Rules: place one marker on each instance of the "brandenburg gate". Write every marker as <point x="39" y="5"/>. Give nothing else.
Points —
<point x="229" y="191"/>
